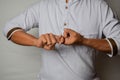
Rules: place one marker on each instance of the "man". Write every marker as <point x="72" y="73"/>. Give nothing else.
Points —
<point x="71" y="33"/>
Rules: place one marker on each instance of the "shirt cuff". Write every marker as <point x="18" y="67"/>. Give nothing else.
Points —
<point x="113" y="46"/>
<point x="12" y="31"/>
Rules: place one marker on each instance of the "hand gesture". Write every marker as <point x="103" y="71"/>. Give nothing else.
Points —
<point x="72" y="37"/>
<point x="48" y="41"/>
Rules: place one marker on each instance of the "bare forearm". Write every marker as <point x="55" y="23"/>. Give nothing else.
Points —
<point x="98" y="44"/>
<point x="23" y="38"/>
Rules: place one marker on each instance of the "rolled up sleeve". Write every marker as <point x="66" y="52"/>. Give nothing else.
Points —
<point x="25" y="21"/>
<point x="110" y="28"/>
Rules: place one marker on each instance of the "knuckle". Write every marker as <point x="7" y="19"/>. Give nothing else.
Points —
<point x="43" y="35"/>
<point x="51" y="33"/>
<point x="47" y="34"/>
<point x="44" y="41"/>
<point x="54" y="42"/>
<point x="47" y="47"/>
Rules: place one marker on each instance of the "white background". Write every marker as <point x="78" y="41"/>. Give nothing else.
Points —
<point x="23" y="63"/>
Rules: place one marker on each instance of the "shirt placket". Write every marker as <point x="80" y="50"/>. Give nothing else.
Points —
<point x="66" y="16"/>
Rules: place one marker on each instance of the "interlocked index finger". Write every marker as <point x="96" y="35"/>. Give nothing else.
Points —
<point x="68" y="32"/>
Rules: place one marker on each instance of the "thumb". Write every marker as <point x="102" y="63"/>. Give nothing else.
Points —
<point x="66" y="33"/>
<point x="60" y="39"/>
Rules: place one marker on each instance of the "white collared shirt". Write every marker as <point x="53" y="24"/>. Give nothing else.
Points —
<point x="90" y="18"/>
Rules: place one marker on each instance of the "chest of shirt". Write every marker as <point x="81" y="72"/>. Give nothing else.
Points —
<point x="79" y="17"/>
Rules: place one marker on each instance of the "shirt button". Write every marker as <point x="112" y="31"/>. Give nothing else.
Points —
<point x="66" y="7"/>
<point x="65" y="24"/>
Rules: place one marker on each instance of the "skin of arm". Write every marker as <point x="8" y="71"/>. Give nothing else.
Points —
<point x="46" y="41"/>
<point x="23" y="38"/>
<point x="72" y="37"/>
<point x="98" y="44"/>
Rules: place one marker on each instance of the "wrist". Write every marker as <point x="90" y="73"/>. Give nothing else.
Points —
<point x="35" y="42"/>
<point x="38" y="43"/>
<point x="84" y="41"/>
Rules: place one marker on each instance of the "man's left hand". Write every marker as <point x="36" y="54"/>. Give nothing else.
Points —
<point x="72" y="37"/>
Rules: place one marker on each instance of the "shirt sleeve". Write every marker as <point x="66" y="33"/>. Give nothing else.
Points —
<point x="25" y="21"/>
<point x="110" y="28"/>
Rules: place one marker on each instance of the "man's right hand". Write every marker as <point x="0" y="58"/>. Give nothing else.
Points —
<point x="48" y="41"/>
